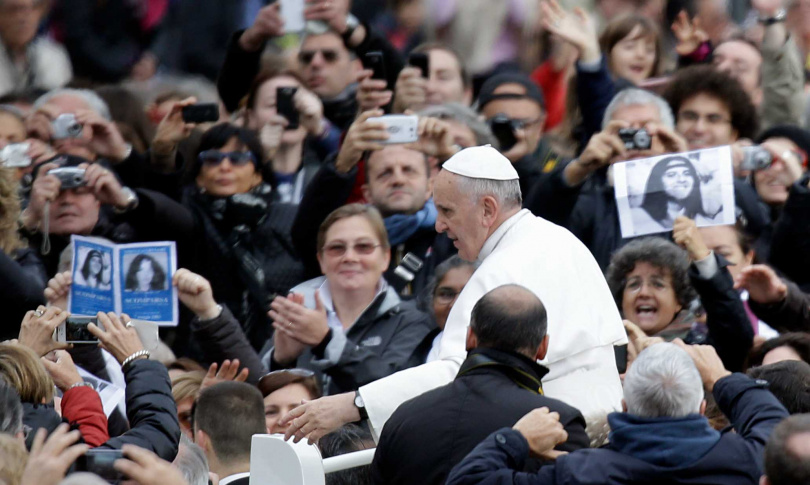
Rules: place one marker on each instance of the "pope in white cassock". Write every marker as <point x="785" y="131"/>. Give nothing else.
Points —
<point x="479" y="207"/>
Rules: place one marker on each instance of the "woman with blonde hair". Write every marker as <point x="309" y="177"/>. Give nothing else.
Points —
<point x="22" y="275"/>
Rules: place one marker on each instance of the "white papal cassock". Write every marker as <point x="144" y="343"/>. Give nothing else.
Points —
<point x="583" y="321"/>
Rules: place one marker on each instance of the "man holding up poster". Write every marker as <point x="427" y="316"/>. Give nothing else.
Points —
<point x="478" y="198"/>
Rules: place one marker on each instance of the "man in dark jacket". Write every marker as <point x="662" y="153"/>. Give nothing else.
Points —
<point x="399" y="184"/>
<point x="660" y="438"/>
<point x="779" y="302"/>
<point x="497" y="384"/>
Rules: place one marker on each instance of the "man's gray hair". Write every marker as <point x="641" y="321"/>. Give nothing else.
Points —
<point x="11" y="409"/>
<point x="466" y="116"/>
<point x="191" y="462"/>
<point x="635" y="97"/>
<point x="663" y="382"/>
<point x="93" y="100"/>
<point x="506" y="192"/>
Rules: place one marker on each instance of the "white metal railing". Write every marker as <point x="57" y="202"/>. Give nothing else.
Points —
<point x="274" y="461"/>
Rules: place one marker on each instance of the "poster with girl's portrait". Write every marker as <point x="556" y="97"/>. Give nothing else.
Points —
<point x="652" y="192"/>
<point x="135" y="279"/>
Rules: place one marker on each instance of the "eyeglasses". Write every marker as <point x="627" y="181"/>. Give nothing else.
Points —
<point x="337" y="250"/>
<point x="306" y="57"/>
<point x="212" y="158"/>
<point x="445" y="295"/>
<point x="693" y="117"/>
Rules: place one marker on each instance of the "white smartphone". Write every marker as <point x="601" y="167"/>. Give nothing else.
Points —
<point x="74" y="331"/>
<point x="401" y="128"/>
<point x="292" y="11"/>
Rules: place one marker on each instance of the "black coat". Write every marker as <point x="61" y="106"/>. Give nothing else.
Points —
<point x="734" y="459"/>
<point x="790" y="315"/>
<point x="790" y="243"/>
<point x="22" y="282"/>
<point x="329" y="190"/>
<point x="428" y="435"/>
<point x="151" y="411"/>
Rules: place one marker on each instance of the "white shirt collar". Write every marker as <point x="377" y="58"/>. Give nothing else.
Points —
<point x="331" y="314"/>
<point x="231" y="478"/>
<point x="493" y="240"/>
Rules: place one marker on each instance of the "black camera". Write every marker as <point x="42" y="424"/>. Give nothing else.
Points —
<point x="101" y="463"/>
<point x="503" y="128"/>
<point x="69" y="177"/>
<point x="635" y="139"/>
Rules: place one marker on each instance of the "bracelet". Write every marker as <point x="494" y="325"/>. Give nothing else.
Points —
<point x="132" y="357"/>
<point x="80" y="384"/>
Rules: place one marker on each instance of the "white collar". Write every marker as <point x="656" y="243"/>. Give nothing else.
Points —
<point x="231" y="478"/>
<point x="326" y="298"/>
<point x="493" y="240"/>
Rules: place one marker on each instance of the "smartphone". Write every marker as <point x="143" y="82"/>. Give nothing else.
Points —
<point x="422" y="61"/>
<point x="401" y="128"/>
<point x="292" y="12"/>
<point x="503" y="131"/>
<point x="620" y="351"/>
<point x="201" y="113"/>
<point x="74" y="331"/>
<point x="285" y="106"/>
<point x="374" y="60"/>
<point x="100" y="462"/>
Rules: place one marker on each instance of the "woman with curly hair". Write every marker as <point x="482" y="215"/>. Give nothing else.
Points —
<point x="22" y="275"/>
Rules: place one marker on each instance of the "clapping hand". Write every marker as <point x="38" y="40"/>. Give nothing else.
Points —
<point x="293" y="319"/>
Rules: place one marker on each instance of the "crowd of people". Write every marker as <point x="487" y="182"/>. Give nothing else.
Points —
<point x="398" y="226"/>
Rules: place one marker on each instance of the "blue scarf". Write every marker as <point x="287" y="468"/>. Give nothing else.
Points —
<point x="401" y="227"/>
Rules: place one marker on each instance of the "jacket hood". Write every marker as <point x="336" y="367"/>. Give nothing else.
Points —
<point x="307" y="288"/>
<point x="663" y="442"/>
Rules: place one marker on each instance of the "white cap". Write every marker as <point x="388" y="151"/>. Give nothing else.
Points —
<point x="481" y="163"/>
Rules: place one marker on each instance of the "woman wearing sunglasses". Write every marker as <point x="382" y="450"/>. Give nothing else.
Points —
<point x="230" y="227"/>
<point x="347" y="325"/>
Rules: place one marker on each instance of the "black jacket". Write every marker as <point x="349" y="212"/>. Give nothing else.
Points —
<point x="730" y="331"/>
<point x="222" y="338"/>
<point x="728" y="458"/>
<point x="382" y="341"/>
<point x="151" y="411"/>
<point x="790" y="315"/>
<point x="590" y="212"/>
<point x="790" y="243"/>
<point x="22" y="282"/>
<point x="157" y="216"/>
<point x="428" y="435"/>
<point x="329" y="190"/>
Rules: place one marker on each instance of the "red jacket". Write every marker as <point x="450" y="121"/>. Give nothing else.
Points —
<point x="82" y="406"/>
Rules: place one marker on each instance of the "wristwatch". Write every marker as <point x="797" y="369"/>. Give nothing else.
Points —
<point x="780" y="16"/>
<point x="351" y="25"/>
<point x="132" y="201"/>
<point x="361" y="405"/>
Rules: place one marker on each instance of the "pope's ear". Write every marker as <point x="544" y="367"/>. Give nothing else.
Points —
<point x="490" y="210"/>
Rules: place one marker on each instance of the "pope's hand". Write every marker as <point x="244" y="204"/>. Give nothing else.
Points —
<point x="314" y="419"/>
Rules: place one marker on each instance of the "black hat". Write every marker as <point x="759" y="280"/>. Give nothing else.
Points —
<point x="799" y="136"/>
<point x="532" y="92"/>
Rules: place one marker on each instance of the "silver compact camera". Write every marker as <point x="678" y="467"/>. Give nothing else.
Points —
<point x="400" y="128"/>
<point x="66" y="126"/>
<point x="69" y="177"/>
<point x="15" y="155"/>
<point x="635" y="139"/>
<point x="756" y="158"/>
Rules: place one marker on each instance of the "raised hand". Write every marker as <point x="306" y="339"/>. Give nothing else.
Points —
<point x="362" y="136"/>
<point x="195" y="292"/>
<point x="762" y="283"/>
<point x="118" y="337"/>
<point x="411" y="90"/>
<point x="268" y="24"/>
<point x="58" y="288"/>
<point x="707" y="361"/>
<point x="172" y="128"/>
<point x="686" y="235"/>
<point x="36" y="331"/>
<point x="228" y="372"/>
<point x="689" y="33"/>
<point x="577" y="29"/>
<point x="372" y="94"/>
<point x="60" y="366"/>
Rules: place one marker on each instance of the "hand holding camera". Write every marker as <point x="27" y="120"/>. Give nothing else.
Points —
<point x="45" y="189"/>
<point x="268" y="24"/>
<point x="104" y="138"/>
<point x="372" y="93"/>
<point x="411" y="90"/>
<point x="172" y="129"/>
<point x="603" y="148"/>
<point x="49" y="460"/>
<point x="60" y="366"/>
<point x="37" y="329"/>
<point x="117" y="337"/>
<point x="105" y="186"/>
<point x="435" y="139"/>
<point x="363" y="135"/>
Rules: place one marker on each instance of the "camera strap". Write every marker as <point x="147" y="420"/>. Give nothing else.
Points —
<point x="518" y="376"/>
<point x="46" y="228"/>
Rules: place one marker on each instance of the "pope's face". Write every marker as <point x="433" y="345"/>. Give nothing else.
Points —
<point x="459" y="216"/>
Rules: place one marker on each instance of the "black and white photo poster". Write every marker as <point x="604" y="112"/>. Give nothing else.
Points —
<point x="652" y="192"/>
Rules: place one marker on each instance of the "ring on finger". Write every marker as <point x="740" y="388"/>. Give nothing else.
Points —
<point x="290" y="323"/>
<point x="39" y="313"/>
<point x="129" y="325"/>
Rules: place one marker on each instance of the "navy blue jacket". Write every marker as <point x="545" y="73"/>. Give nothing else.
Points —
<point x="663" y="450"/>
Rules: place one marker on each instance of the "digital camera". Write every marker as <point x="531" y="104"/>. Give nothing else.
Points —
<point x="15" y="155"/>
<point x="69" y="177"/>
<point x="635" y="139"/>
<point x="66" y="126"/>
<point x="756" y="158"/>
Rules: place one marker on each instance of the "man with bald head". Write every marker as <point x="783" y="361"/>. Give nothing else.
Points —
<point x="498" y="383"/>
<point x="477" y="196"/>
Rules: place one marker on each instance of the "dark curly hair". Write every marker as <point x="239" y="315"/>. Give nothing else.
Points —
<point x="657" y="252"/>
<point x="798" y="341"/>
<point x="694" y="80"/>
